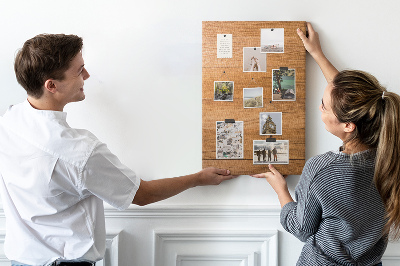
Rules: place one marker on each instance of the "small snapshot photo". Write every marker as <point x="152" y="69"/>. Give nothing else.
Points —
<point x="254" y="60"/>
<point x="270" y="152"/>
<point x="271" y="123"/>
<point x="283" y="85"/>
<point x="272" y="40"/>
<point x="229" y="140"/>
<point x="223" y="90"/>
<point x="253" y="97"/>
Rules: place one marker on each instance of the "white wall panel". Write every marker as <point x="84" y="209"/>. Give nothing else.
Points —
<point x="200" y="236"/>
<point x="391" y="260"/>
<point x="252" y="248"/>
<point x="144" y="100"/>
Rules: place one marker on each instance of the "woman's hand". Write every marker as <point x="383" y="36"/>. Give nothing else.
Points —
<point x="313" y="46"/>
<point x="311" y="43"/>
<point x="274" y="178"/>
<point x="278" y="183"/>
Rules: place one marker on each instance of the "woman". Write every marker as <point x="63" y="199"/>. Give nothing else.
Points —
<point x="341" y="215"/>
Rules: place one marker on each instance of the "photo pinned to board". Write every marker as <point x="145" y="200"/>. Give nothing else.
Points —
<point x="271" y="123"/>
<point x="254" y="60"/>
<point x="229" y="140"/>
<point x="273" y="40"/>
<point x="253" y="97"/>
<point x="223" y="91"/>
<point x="270" y="152"/>
<point x="283" y="84"/>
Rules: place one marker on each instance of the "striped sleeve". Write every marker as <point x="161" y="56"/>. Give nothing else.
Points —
<point x="302" y="218"/>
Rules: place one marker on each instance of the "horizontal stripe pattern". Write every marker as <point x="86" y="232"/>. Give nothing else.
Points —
<point x="338" y="212"/>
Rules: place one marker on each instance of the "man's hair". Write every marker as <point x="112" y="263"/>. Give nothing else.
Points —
<point x="45" y="56"/>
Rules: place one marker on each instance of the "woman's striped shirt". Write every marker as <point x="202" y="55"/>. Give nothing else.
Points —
<point x="338" y="211"/>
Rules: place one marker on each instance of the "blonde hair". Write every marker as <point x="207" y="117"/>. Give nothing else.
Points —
<point x="358" y="97"/>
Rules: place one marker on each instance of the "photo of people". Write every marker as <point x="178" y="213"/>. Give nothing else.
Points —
<point x="223" y="90"/>
<point x="283" y="85"/>
<point x="270" y="152"/>
<point x="271" y="123"/>
<point x="253" y="97"/>
<point x="229" y="140"/>
<point x="272" y="40"/>
<point x="254" y="60"/>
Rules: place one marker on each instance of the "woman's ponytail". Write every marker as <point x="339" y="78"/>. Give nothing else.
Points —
<point x="359" y="98"/>
<point x="387" y="165"/>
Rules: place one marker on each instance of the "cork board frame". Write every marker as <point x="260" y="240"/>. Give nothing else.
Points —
<point x="247" y="34"/>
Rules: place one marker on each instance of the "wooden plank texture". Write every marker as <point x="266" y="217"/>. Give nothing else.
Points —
<point x="247" y="34"/>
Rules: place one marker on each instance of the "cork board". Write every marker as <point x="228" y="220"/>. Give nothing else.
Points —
<point x="247" y="34"/>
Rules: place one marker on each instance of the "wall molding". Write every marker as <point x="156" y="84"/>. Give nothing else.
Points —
<point x="245" y="247"/>
<point x="243" y="260"/>
<point x="391" y="258"/>
<point x="204" y="211"/>
<point x="156" y="210"/>
<point x="112" y="243"/>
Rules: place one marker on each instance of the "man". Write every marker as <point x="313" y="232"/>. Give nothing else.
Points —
<point x="54" y="178"/>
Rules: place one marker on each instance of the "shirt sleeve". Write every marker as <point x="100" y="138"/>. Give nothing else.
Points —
<point x="302" y="218"/>
<point x="108" y="179"/>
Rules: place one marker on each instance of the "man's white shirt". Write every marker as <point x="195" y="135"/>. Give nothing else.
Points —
<point x="53" y="182"/>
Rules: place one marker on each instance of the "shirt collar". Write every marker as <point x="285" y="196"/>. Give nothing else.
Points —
<point x="46" y="113"/>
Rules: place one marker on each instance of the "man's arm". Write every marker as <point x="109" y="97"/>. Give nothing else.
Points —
<point x="156" y="190"/>
<point x="313" y="46"/>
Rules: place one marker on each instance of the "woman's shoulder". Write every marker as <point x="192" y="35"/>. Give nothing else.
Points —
<point x="324" y="158"/>
<point x="320" y="162"/>
<point x="333" y="160"/>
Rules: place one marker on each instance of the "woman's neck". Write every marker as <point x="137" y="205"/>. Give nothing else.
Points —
<point x="353" y="147"/>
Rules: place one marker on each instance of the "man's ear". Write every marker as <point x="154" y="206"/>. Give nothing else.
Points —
<point x="50" y="85"/>
<point x="349" y="127"/>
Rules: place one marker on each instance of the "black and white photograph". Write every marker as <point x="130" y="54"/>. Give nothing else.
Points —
<point x="271" y="123"/>
<point x="254" y="60"/>
<point x="283" y="85"/>
<point x="229" y="140"/>
<point x="272" y="40"/>
<point x="270" y="152"/>
<point x="223" y="90"/>
<point x="253" y="97"/>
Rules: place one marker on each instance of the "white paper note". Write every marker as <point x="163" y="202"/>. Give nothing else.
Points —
<point x="224" y="45"/>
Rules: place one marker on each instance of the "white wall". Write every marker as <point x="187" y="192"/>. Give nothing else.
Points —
<point x="144" y="95"/>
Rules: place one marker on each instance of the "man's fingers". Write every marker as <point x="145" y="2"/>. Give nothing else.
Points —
<point x="227" y="177"/>
<point x="222" y="171"/>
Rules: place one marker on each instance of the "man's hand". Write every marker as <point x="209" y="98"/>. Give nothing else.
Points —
<point x="160" y="189"/>
<point x="213" y="176"/>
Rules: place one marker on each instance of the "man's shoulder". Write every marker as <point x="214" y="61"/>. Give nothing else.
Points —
<point x="49" y="132"/>
<point x="70" y="145"/>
